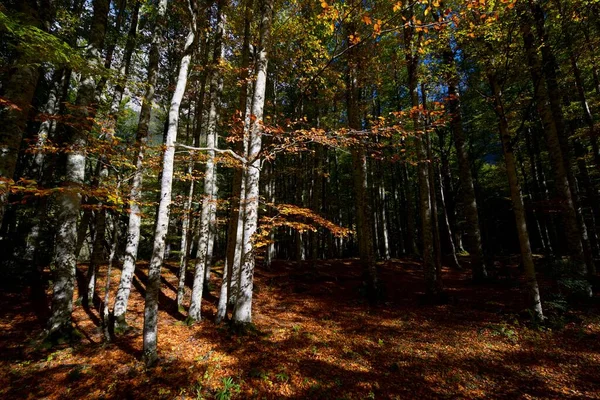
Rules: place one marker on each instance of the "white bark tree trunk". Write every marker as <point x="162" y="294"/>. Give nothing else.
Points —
<point x="69" y="199"/>
<point x="135" y="217"/>
<point x="207" y="216"/>
<point x="231" y="273"/>
<point x="162" y="216"/>
<point x="243" y="308"/>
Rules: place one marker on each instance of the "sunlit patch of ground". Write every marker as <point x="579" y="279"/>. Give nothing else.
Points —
<point x="315" y="339"/>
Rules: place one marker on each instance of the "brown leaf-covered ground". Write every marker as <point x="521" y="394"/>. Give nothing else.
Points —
<point x="315" y="339"/>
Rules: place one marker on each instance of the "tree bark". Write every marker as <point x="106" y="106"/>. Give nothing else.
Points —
<point x="235" y="227"/>
<point x="433" y="282"/>
<point x="364" y="215"/>
<point x="243" y="309"/>
<point x="162" y="215"/>
<point x="126" y="64"/>
<point x="565" y="199"/>
<point x="473" y="230"/>
<point x="209" y="200"/>
<point x="19" y="90"/>
<point x="69" y="199"/>
<point x="135" y="217"/>
<point x="517" y="200"/>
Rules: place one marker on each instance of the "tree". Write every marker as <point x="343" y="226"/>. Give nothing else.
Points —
<point x="162" y="214"/>
<point x="18" y="92"/>
<point x="69" y="198"/>
<point x="207" y="216"/>
<point x="517" y="200"/>
<point x="135" y="217"/>
<point x="242" y="313"/>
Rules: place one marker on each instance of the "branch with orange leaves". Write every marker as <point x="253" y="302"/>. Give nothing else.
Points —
<point x="298" y="218"/>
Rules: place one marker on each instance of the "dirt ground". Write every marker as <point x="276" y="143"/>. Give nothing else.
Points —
<point x="315" y="338"/>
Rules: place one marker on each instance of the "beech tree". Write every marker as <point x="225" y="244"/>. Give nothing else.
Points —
<point x="233" y="134"/>
<point x="69" y="199"/>
<point x="242" y="313"/>
<point x="162" y="214"/>
<point x="135" y="217"/>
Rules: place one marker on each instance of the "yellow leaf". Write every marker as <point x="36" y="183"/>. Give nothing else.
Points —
<point x="366" y="19"/>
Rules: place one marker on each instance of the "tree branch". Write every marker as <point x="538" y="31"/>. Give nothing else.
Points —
<point x="221" y="151"/>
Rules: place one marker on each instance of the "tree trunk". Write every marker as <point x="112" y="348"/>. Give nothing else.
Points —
<point x="473" y="231"/>
<point x="126" y="64"/>
<point x="162" y="214"/>
<point x="383" y="210"/>
<point x="106" y="323"/>
<point x="565" y="199"/>
<point x="135" y="217"/>
<point x="517" y="200"/>
<point x="549" y="69"/>
<point x="541" y="188"/>
<point x="209" y="200"/>
<point x="437" y="245"/>
<point x="432" y="282"/>
<point x="364" y="215"/>
<point x="19" y="90"/>
<point x="190" y="224"/>
<point x="69" y="199"/>
<point x="451" y="255"/>
<point x="97" y="255"/>
<point x="243" y="309"/>
<point x="235" y="228"/>
<point x="411" y="223"/>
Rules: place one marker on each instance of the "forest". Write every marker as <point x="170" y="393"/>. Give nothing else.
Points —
<point x="299" y="199"/>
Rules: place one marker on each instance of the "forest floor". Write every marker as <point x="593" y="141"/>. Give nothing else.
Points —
<point x="315" y="339"/>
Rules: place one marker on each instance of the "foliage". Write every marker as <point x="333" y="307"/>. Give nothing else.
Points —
<point x="37" y="46"/>
<point x="229" y="389"/>
<point x="466" y="350"/>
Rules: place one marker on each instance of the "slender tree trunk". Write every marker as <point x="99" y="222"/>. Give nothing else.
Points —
<point x="162" y="215"/>
<point x="69" y="199"/>
<point x="135" y="217"/>
<point x="451" y="255"/>
<point x="432" y="282"/>
<point x="517" y="200"/>
<point x="209" y="200"/>
<point x="411" y="223"/>
<point x="106" y="323"/>
<point x="540" y="187"/>
<point x="384" y="213"/>
<point x="19" y="90"/>
<point x="190" y="224"/>
<point x="243" y="309"/>
<point x="437" y="245"/>
<point x="126" y="64"/>
<point x="364" y="215"/>
<point x="236" y="218"/>
<point x="549" y="69"/>
<point x="185" y="237"/>
<point x="473" y="230"/>
<point x="527" y="193"/>
<point x="565" y="199"/>
<point x="316" y="199"/>
<point x="97" y="255"/>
